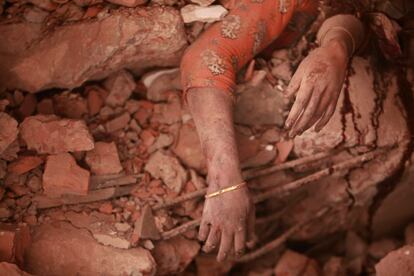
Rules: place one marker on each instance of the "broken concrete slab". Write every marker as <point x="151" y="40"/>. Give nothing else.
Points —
<point x="120" y="86"/>
<point x="74" y="53"/>
<point x="14" y="243"/>
<point x="63" y="176"/>
<point x="104" y="159"/>
<point x="166" y="167"/>
<point x="8" y="132"/>
<point x="61" y="249"/>
<point x="51" y="134"/>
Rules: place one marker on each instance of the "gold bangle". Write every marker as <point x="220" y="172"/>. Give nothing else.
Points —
<point x="225" y="190"/>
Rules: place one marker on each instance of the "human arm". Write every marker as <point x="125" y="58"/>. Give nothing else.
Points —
<point x="318" y="80"/>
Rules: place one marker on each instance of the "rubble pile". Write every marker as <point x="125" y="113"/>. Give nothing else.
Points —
<point x="102" y="172"/>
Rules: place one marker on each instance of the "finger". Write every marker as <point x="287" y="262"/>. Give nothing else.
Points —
<point x="203" y="232"/>
<point x="293" y="84"/>
<point x="326" y="117"/>
<point x="320" y="111"/>
<point x="212" y="240"/>
<point x="306" y="116"/>
<point x="251" y="235"/>
<point x="301" y="102"/>
<point x="240" y="240"/>
<point x="225" y="245"/>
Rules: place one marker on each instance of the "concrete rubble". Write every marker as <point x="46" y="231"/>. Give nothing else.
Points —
<point x="102" y="171"/>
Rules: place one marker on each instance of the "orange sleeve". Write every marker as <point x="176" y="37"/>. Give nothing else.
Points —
<point x="216" y="56"/>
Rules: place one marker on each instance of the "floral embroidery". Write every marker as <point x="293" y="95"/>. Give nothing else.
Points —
<point x="230" y="27"/>
<point x="214" y="62"/>
<point x="259" y="36"/>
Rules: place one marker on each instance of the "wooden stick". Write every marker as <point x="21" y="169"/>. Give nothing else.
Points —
<point x="106" y="181"/>
<point x="181" y="229"/>
<point x="44" y="202"/>
<point x="286" y="189"/>
<point x="254" y="173"/>
<point x="180" y="199"/>
<point x="281" y="239"/>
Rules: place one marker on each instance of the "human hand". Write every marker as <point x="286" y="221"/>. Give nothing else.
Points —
<point x="318" y="82"/>
<point x="228" y="219"/>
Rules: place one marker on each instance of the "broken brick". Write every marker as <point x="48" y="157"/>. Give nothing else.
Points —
<point x="28" y="106"/>
<point x="95" y="102"/>
<point x="120" y="86"/>
<point x="167" y="168"/>
<point x="398" y="262"/>
<point x="104" y="159"/>
<point x="70" y="105"/>
<point x="63" y="176"/>
<point x="145" y="227"/>
<point x="192" y="13"/>
<point x="24" y="164"/>
<point x="118" y="123"/>
<point x="8" y="131"/>
<point x="46" y="107"/>
<point x="128" y="3"/>
<point x="51" y="134"/>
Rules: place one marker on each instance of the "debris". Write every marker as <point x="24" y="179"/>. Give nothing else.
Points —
<point x="188" y="148"/>
<point x="11" y="270"/>
<point x="28" y="106"/>
<point x="8" y="133"/>
<point x="192" y="13"/>
<point x="292" y="263"/>
<point x="168" y="113"/>
<point x="145" y="38"/>
<point x="203" y="3"/>
<point x="55" y="245"/>
<point x="95" y="101"/>
<point x="145" y="227"/>
<point x="104" y="159"/>
<point x="14" y="243"/>
<point x="70" y="105"/>
<point x="120" y="86"/>
<point x="128" y="3"/>
<point x="162" y="141"/>
<point x="118" y="123"/>
<point x="398" y="262"/>
<point x="379" y="249"/>
<point x="334" y="267"/>
<point x="161" y="165"/>
<point x="45" y="107"/>
<point x="52" y="135"/>
<point x="24" y="164"/>
<point x="283" y="149"/>
<point x="113" y="241"/>
<point x="159" y="83"/>
<point x="174" y="255"/>
<point x="63" y="176"/>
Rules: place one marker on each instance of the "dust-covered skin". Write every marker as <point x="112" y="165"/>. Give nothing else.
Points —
<point x="228" y="220"/>
<point x="317" y="84"/>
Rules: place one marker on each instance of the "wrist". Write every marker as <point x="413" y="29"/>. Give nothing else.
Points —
<point x="338" y="48"/>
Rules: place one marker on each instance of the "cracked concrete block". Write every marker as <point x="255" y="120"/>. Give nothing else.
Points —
<point x="61" y="249"/>
<point x="71" y="54"/>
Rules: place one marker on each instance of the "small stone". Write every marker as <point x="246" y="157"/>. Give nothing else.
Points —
<point x="8" y="131"/>
<point x="24" y="164"/>
<point x="34" y="183"/>
<point x="163" y="140"/>
<point x="128" y="3"/>
<point x="292" y="263"/>
<point x="45" y="107"/>
<point x="203" y="3"/>
<point x="167" y="168"/>
<point x="95" y="102"/>
<point x="63" y="176"/>
<point x="192" y="13"/>
<point x="113" y="241"/>
<point x="148" y="244"/>
<point x="118" y="123"/>
<point x="104" y="159"/>
<point x="28" y="106"/>
<point x="106" y="208"/>
<point x="52" y="135"/>
<point x="398" y="262"/>
<point x="334" y="267"/>
<point x="120" y="86"/>
<point x="122" y="227"/>
<point x="145" y="227"/>
<point x="168" y="113"/>
<point x="70" y="105"/>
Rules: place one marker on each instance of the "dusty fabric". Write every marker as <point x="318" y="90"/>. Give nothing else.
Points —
<point x="228" y="45"/>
